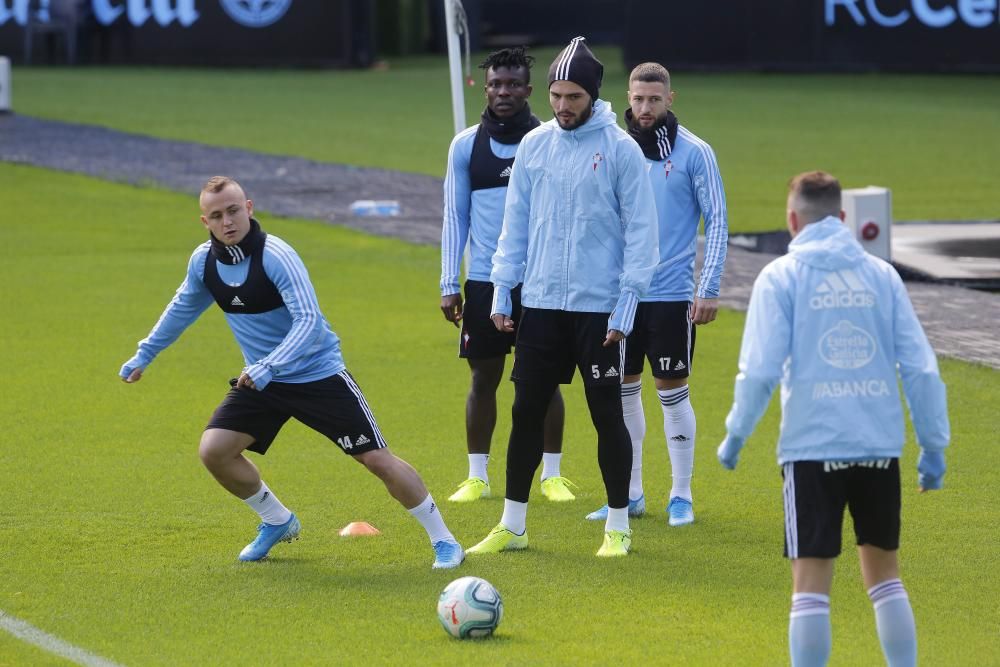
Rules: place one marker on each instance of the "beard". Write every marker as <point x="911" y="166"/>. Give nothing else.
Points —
<point x="579" y="120"/>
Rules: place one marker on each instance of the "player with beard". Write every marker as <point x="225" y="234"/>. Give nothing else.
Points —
<point x="475" y="187"/>
<point x="687" y="186"/>
<point x="579" y="230"/>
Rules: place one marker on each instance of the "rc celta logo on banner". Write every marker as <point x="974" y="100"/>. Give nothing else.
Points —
<point x="255" y="13"/>
<point x="974" y="13"/>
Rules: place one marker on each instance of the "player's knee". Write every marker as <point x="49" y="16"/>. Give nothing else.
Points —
<point x="531" y="402"/>
<point x="605" y="407"/>
<point x="208" y="451"/>
<point x="380" y="462"/>
<point x="216" y="447"/>
<point x="486" y="379"/>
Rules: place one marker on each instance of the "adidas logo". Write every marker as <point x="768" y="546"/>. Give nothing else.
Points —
<point x="236" y="302"/>
<point x="612" y="373"/>
<point x="505" y="173"/>
<point x="680" y="366"/>
<point x="842" y="289"/>
<point x="363" y="440"/>
<point x="680" y="438"/>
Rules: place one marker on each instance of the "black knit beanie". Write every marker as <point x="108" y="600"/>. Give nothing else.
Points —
<point x="576" y="63"/>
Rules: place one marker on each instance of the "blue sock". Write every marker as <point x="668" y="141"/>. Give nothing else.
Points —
<point x="809" y="635"/>
<point x="894" y="620"/>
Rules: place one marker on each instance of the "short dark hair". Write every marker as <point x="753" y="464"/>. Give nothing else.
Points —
<point x="650" y="73"/>
<point x="512" y="57"/>
<point x="817" y="195"/>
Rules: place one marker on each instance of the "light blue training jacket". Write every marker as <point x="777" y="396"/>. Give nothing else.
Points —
<point x="579" y="226"/>
<point x="687" y="187"/>
<point x="470" y="216"/>
<point x="293" y="343"/>
<point x="833" y="323"/>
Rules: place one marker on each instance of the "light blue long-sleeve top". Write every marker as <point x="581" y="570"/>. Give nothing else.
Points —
<point x="469" y="216"/>
<point x="832" y="324"/>
<point x="293" y="343"/>
<point x="579" y="227"/>
<point x="687" y="188"/>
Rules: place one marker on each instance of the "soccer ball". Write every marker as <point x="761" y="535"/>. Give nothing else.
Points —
<point x="470" y="607"/>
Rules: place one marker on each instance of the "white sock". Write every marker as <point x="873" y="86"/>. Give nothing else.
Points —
<point x="477" y="466"/>
<point x="514" y="516"/>
<point x="267" y="505"/>
<point x="617" y="519"/>
<point x="550" y="465"/>
<point x="679" y="427"/>
<point x="429" y="516"/>
<point x="635" y="422"/>
<point x="894" y="619"/>
<point x="809" y="634"/>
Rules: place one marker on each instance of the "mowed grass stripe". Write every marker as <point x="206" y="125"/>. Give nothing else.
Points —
<point x="927" y="138"/>
<point x="116" y="539"/>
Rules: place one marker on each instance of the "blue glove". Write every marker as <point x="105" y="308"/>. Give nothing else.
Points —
<point x="729" y="451"/>
<point x="931" y="467"/>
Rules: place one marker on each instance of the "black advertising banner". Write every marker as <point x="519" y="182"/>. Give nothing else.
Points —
<point x="912" y="35"/>
<point x="205" y="32"/>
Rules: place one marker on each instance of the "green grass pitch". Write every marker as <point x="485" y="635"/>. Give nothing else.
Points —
<point x="930" y="139"/>
<point x="115" y="539"/>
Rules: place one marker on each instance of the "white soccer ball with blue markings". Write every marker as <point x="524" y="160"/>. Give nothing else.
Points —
<point x="470" y="607"/>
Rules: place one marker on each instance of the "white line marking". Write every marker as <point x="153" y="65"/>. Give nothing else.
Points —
<point x="43" y="640"/>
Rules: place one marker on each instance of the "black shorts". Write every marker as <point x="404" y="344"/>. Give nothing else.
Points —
<point x="663" y="333"/>
<point x="551" y="343"/>
<point x="480" y="338"/>
<point x="333" y="406"/>
<point x="815" y="495"/>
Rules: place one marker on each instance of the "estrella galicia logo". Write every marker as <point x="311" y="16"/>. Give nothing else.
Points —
<point x="255" y="13"/>
<point x="847" y="346"/>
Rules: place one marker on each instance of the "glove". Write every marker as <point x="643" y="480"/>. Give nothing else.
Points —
<point x="931" y="467"/>
<point x="729" y="451"/>
<point x="128" y="367"/>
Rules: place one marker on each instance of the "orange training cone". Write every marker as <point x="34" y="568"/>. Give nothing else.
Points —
<point x="358" y="528"/>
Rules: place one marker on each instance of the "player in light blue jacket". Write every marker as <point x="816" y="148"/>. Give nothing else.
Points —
<point x="687" y="188"/>
<point x="479" y="165"/>
<point x="580" y="233"/>
<point x="292" y="369"/>
<point x="833" y="325"/>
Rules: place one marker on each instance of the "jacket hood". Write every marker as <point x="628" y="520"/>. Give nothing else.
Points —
<point x="601" y="118"/>
<point x="827" y="244"/>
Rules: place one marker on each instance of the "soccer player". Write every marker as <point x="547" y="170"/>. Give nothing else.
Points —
<point x="479" y="165"/>
<point x="687" y="187"/>
<point x="580" y="232"/>
<point x="294" y="368"/>
<point x="833" y="324"/>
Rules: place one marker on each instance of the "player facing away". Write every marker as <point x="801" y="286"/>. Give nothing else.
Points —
<point x="833" y="324"/>
<point x="687" y="187"/>
<point x="293" y="368"/>
<point x="479" y="166"/>
<point x="579" y="231"/>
